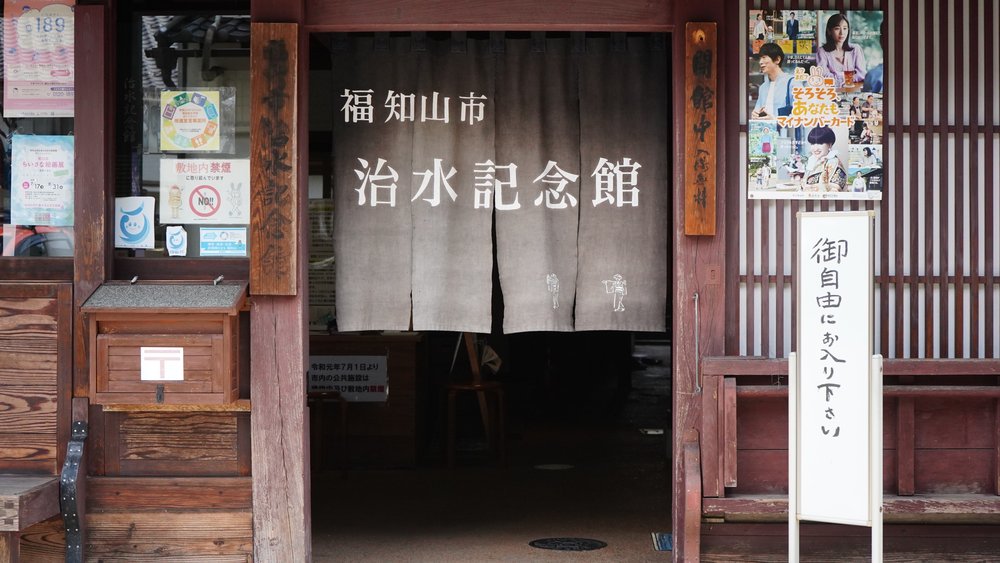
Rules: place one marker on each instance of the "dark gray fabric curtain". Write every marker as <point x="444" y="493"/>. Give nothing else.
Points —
<point x="623" y="213"/>
<point x="538" y="113"/>
<point x="570" y="159"/>
<point x="452" y="242"/>
<point x="372" y="252"/>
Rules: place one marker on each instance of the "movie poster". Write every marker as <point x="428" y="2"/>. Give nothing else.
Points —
<point x="815" y="109"/>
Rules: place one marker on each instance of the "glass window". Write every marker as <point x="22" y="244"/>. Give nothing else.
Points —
<point x="36" y="129"/>
<point x="183" y="176"/>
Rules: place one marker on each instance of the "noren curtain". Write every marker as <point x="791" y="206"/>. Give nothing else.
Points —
<point x="559" y="144"/>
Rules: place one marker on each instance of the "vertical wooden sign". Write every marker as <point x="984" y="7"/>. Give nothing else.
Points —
<point x="273" y="159"/>
<point x="700" y="126"/>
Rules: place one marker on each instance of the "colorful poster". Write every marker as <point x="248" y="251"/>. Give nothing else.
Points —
<point x="189" y="120"/>
<point x="815" y="104"/>
<point x="42" y="180"/>
<point x="208" y="191"/>
<point x="134" y="222"/>
<point x="38" y="58"/>
<point x="223" y="242"/>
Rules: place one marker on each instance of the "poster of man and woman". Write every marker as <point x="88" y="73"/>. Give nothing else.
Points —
<point x="815" y="107"/>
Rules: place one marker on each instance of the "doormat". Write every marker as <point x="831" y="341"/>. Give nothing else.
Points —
<point x="662" y="541"/>
<point x="568" y="544"/>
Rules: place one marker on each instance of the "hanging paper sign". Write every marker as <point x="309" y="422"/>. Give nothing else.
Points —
<point x="205" y="191"/>
<point x="42" y="180"/>
<point x="189" y="120"/>
<point x="177" y="241"/>
<point x="223" y="242"/>
<point x="360" y="379"/>
<point x="38" y="58"/>
<point x="134" y="222"/>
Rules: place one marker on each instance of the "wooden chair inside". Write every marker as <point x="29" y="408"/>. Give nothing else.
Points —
<point x="493" y="422"/>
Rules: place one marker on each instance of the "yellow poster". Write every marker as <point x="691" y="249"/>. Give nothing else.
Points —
<point x="189" y="120"/>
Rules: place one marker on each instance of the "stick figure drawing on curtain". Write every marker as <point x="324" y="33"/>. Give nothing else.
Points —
<point x="552" y="283"/>
<point x="616" y="286"/>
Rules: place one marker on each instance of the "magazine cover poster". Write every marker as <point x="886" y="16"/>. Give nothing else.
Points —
<point x="814" y="95"/>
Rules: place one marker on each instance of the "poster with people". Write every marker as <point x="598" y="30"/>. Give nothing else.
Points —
<point x="814" y="104"/>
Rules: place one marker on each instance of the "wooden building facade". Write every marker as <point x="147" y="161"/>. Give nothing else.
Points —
<point x="230" y="481"/>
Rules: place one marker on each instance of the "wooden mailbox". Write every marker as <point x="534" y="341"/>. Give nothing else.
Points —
<point x="164" y="342"/>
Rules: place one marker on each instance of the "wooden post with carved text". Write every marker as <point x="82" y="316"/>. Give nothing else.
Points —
<point x="700" y="125"/>
<point x="273" y="218"/>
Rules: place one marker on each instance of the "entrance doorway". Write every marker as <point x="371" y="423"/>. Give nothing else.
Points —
<point x="587" y="412"/>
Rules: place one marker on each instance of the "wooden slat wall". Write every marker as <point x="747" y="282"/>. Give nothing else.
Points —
<point x="936" y="294"/>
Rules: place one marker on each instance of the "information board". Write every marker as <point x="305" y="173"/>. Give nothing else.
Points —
<point x="356" y="378"/>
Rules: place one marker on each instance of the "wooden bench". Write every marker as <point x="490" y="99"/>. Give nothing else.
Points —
<point x="25" y="500"/>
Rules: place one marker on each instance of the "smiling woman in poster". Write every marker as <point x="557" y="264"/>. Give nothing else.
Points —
<point x="824" y="171"/>
<point x="774" y="97"/>
<point x="838" y="58"/>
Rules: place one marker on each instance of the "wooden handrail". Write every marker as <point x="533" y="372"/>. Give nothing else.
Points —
<point x="895" y="391"/>
<point x="736" y="366"/>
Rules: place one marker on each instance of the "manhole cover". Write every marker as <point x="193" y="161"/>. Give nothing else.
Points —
<point x="554" y="466"/>
<point x="568" y="544"/>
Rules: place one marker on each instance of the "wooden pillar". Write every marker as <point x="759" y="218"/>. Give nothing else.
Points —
<point x="699" y="268"/>
<point x="278" y="334"/>
<point x="93" y="197"/>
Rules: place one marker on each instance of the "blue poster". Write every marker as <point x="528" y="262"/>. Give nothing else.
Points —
<point x="42" y="180"/>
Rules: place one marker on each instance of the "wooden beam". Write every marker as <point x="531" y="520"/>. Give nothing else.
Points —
<point x="905" y="444"/>
<point x="690" y="549"/>
<point x="279" y="463"/>
<point x="888" y="391"/>
<point x="488" y="15"/>
<point x="279" y="342"/>
<point x="699" y="267"/>
<point x="169" y="493"/>
<point x="745" y="366"/>
<point x="93" y="196"/>
<point x="711" y="431"/>
<point x="729" y="433"/>
<point x="919" y="509"/>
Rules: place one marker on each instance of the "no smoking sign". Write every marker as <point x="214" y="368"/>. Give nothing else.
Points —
<point x="204" y="201"/>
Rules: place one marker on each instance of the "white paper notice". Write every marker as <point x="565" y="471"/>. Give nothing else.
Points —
<point x="210" y="191"/>
<point x="161" y="364"/>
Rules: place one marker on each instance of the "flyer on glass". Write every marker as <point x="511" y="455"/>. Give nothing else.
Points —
<point x="815" y="108"/>
<point x="211" y="191"/>
<point x="190" y="120"/>
<point x="42" y="180"/>
<point x="38" y="58"/>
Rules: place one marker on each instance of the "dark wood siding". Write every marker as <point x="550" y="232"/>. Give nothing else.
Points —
<point x="936" y="291"/>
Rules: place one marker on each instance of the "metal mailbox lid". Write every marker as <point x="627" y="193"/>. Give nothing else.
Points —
<point x="168" y="297"/>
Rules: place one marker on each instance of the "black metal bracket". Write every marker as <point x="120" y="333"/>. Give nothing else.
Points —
<point x="69" y="480"/>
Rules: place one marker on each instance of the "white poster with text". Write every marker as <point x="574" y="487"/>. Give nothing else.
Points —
<point x="210" y="191"/>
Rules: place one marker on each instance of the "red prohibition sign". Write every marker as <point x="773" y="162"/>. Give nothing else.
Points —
<point x="200" y="197"/>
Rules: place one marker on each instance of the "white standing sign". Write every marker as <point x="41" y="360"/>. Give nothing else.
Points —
<point x="157" y="363"/>
<point x="835" y="384"/>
